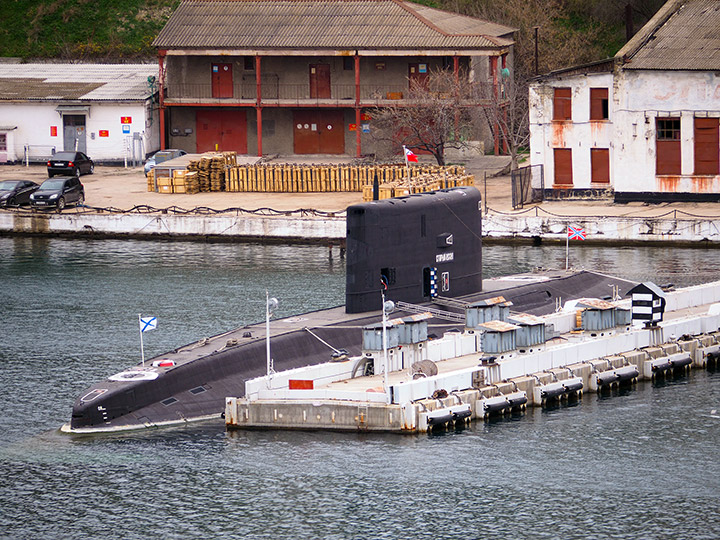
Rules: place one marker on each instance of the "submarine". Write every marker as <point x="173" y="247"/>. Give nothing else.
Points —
<point x="423" y="251"/>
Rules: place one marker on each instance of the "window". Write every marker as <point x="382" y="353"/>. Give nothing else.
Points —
<point x="599" y="165"/>
<point x="562" y="104"/>
<point x="249" y="63"/>
<point x="563" y="167"/>
<point x="3" y="142"/>
<point x="348" y="63"/>
<point x="599" y="104"/>
<point x="667" y="149"/>
<point x="707" y="146"/>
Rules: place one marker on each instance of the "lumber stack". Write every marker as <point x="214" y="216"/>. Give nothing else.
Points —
<point x="220" y="172"/>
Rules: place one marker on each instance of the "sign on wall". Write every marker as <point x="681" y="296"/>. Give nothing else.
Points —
<point x="104" y="133"/>
<point x="53" y="131"/>
<point x="126" y="119"/>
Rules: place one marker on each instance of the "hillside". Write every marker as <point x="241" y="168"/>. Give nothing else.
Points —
<point x="82" y="29"/>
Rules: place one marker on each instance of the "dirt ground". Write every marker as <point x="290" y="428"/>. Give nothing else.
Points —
<point x="125" y="188"/>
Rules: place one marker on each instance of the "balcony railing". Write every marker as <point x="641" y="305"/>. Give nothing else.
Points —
<point x="272" y="91"/>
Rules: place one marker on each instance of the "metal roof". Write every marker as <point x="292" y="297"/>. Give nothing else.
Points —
<point x="498" y="326"/>
<point x="683" y="35"/>
<point x="76" y="82"/>
<point x="325" y="24"/>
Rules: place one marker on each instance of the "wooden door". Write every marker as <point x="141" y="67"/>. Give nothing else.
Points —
<point x="221" y="130"/>
<point x="318" y="132"/>
<point x="222" y="81"/>
<point x="319" y="81"/>
<point x="707" y="146"/>
<point x="563" y="167"/>
<point x="600" y="165"/>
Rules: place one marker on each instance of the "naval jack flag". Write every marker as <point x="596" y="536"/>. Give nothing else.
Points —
<point x="146" y="324"/>
<point x="573" y="233"/>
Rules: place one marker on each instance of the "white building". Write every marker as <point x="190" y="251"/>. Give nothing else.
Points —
<point x="108" y="111"/>
<point x="643" y="125"/>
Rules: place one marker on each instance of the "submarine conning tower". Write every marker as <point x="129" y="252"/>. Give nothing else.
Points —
<point x="417" y="247"/>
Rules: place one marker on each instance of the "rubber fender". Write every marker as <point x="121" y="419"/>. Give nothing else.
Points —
<point x="660" y="364"/>
<point x="439" y="416"/>
<point x="627" y="373"/>
<point x="552" y="390"/>
<point x="606" y="377"/>
<point x="516" y="399"/>
<point x="573" y="385"/>
<point x="495" y="404"/>
<point x="680" y="360"/>
<point x="461" y="411"/>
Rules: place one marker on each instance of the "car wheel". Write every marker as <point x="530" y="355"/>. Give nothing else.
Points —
<point x="77" y="172"/>
<point x="92" y="169"/>
<point x="50" y="175"/>
<point x="81" y="200"/>
<point x="61" y="204"/>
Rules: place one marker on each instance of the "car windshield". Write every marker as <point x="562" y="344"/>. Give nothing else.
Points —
<point x="52" y="184"/>
<point x="8" y="185"/>
<point x="63" y="156"/>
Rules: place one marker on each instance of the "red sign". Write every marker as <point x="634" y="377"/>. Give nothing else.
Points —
<point x="364" y="116"/>
<point x="104" y="133"/>
<point x="53" y="131"/>
<point x="352" y="127"/>
<point x="126" y="119"/>
<point x="300" y="384"/>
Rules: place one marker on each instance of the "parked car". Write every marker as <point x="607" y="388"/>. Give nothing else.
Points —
<point x="70" y="163"/>
<point x="58" y="192"/>
<point x="16" y="192"/>
<point x="162" y="155"/>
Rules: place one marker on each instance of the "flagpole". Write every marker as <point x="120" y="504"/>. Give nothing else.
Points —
<point x="142" y="348"/>
<point x="567" y="247"/>
<point x="407" y="163"/>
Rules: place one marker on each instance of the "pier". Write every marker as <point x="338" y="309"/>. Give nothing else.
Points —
<point x="580" y="353"/>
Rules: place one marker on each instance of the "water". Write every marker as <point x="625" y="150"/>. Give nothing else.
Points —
<point x="638" y="464"/>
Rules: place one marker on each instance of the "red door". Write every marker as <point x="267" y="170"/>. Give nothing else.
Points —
<point x="319" y="81"/>
<point x="222" y="81"/>
<point x="318" y="132"/>
<point x="563" y="167"/>
<point x="221" y="130"/>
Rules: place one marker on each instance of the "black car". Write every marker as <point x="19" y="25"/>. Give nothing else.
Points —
<point x="70" y="163"/>
<point x="58" y="192"/>
<point x="16" y="192"/>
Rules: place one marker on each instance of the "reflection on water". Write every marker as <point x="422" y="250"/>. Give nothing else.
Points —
<point x="639" y="463"/>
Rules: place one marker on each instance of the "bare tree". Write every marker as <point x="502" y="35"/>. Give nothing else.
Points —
<point x="437" y="116"/>
<point x="505" y="106"/>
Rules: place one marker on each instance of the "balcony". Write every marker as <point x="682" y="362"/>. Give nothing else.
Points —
<point x="274" y="93"/>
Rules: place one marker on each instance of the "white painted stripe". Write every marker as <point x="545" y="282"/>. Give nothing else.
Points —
<point x="642" y="296"/>
<point x="641" y="309"/>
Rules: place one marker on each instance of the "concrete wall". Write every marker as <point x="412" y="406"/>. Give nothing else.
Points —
<point x="34" y="120"/>
<point x="640" y="97"/>
<point x="578" y="134"/>
<point x="636" y="98"/>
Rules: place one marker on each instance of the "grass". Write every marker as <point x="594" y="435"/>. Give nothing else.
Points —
<point x="82" y="29"/>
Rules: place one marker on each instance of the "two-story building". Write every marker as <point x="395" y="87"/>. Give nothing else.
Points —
<point x="301" y="76"/>
<point x="643" y="125"/>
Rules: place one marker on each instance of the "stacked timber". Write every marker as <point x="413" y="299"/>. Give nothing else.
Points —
<point x="220" y="172"/>
<point x="150" y="180"/>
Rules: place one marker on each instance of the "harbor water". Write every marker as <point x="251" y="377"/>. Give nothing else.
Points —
<point x="639" y="463"/>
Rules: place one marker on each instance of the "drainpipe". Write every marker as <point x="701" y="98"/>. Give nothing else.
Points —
<point x="358" y="149"/>
<point x="258" y="104"/>
<point x="161" y="90"/>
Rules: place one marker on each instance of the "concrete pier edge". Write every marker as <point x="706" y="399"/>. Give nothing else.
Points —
<point x="305" y="229"/>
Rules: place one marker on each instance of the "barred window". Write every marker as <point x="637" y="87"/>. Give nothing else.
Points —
<point x="668" y="129"/>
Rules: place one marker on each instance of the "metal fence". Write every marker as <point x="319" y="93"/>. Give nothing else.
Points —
<point x="37" y="153"/>
<point x="528" y="184"/>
